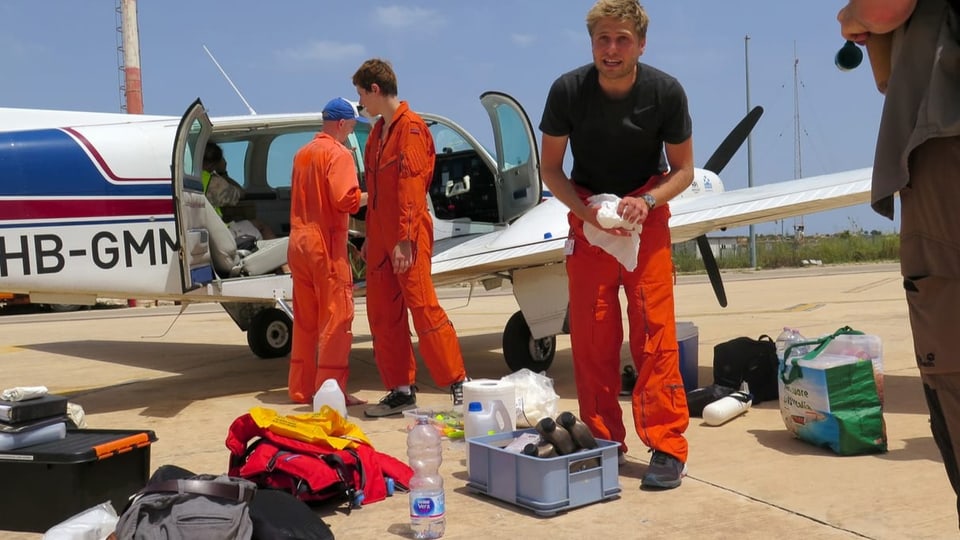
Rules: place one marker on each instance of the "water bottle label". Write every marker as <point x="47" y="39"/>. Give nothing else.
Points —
<point x="427" y="507"/>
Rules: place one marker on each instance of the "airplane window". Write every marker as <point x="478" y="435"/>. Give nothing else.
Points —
<point x="280" y="156"/>
<point x="516" y="145"/>
<point x="189" y="160"/>
<point x="284" y="147"/>
<point x="235" y="153"/>
<point x="448" y="141"/>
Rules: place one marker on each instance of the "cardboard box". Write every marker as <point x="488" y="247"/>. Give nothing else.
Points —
<point x="47" y="483"/>
<point x="544" y="485"/>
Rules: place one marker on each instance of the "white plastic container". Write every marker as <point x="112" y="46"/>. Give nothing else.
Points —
<point x="729" y="407"/>
<point x="330" y="394"/>
<point x="479" y="421"/>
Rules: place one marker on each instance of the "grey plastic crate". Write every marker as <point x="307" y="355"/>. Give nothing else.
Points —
<point x="544" y="485"/>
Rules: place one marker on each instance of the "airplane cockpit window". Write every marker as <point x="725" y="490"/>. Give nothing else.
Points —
<point x="448" y="141"/>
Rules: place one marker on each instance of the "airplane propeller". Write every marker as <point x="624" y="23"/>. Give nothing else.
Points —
<point x="721" y="156"/>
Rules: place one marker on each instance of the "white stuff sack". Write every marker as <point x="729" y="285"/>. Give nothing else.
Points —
<point x="536" y="398"/>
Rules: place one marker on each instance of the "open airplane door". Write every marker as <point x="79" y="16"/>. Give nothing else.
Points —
<point x="518" y="160"/>
<point x="189" y="200"/>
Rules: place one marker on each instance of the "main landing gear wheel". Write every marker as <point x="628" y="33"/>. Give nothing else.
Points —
<point x="270" y="334"/>
<point x="520" y="350"/>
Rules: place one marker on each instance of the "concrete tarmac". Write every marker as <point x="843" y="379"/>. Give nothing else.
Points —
<point x="187" y="378"/>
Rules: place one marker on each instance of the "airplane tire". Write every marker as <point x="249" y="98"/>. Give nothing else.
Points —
<point x="270" y="334"/>
<point x="520" y="350"/>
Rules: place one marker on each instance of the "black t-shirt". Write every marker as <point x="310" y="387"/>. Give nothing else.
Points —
<point x="617" y="144"/>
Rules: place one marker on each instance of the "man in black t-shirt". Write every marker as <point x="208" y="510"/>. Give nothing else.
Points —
<point x="629" y="130"/>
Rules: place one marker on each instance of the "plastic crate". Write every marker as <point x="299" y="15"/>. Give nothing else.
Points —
<point x="47" y="483"/>
<point x="544" y="485"/>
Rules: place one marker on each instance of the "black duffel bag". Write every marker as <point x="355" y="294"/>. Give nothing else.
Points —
<point x="749" y="360"/>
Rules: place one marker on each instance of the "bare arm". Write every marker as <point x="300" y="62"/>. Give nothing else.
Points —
<point x="862" y="17"/>
<point x="552" y="150"/>
<point x="680" y="158"/>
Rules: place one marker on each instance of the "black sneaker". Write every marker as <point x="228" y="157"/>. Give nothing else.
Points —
<point x="393" y="403"/>
<point x="456" y="390"/>
<point x="664" y="472"/>
<point x="628" y="379"/>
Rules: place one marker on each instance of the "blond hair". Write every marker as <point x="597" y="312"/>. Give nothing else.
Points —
<point x="624" y="10"/>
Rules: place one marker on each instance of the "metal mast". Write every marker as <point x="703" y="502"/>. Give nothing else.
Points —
<point x="797" y="156"/>
<point x="132" y="87"/>
<point x="746" y="63"/>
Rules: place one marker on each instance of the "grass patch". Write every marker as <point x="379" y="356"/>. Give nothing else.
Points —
<point x="787" y="252"/>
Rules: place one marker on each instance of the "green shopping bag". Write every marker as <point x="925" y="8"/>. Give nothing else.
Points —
<point x="834" y="400"/>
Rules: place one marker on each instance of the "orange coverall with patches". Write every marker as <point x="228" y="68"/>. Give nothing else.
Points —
<point x="596" y="334"/>
<point x="399" y="171"/>
<point x="323" y="193"/>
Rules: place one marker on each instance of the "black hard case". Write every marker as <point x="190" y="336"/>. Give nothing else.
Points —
<point x="47" y="483"/>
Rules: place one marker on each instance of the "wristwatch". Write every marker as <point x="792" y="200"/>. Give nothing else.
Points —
<point x="650" y="200"/>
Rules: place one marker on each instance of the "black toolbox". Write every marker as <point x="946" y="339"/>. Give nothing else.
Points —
<point x="47" y="483"/>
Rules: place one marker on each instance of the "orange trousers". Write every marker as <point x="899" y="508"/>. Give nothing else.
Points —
<point x="322" y="313"/>
<point x="389" y="297"/>
<point x="660" y="413"/>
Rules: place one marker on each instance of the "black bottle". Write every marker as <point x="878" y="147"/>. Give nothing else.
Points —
<point x="578" y="430"/>
<point x="542" y="449"/>
<point x="556" y="435"/>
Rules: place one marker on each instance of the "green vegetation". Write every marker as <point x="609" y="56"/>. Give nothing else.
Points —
<point x="786" y="251"/>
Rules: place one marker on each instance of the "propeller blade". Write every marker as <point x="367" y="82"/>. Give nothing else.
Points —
<point x="713" y="271"/>
<point x="722" y="155"/>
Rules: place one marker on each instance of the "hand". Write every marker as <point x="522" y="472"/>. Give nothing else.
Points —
<point x="363" y="251"/>
<point x="633" y="210"/>
<point x="402" y="257"/>
<point x="851" y="28"/>
<point x="591" y="218"/>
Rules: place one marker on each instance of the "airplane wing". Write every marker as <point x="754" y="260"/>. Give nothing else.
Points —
<point x="537" y="238"/>
<point x="760" y="204"/>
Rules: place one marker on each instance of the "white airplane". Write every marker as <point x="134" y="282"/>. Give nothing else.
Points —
<point x="111" y="205"/>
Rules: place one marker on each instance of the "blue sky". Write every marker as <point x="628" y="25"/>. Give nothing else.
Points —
<point x="293" y="55"/>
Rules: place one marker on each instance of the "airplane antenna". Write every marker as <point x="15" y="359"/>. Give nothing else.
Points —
<point x="224" y="73"/>
<point x="183" y="307"/>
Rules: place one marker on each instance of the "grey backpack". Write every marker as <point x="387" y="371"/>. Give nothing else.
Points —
<point x="200" y="507"/>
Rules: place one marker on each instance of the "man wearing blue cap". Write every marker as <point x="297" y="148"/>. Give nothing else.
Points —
<point x="324" y="191"/>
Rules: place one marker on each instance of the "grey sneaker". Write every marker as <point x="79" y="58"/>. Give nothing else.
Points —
<point x="393" y="403"/>
<point x="664" y="472"/>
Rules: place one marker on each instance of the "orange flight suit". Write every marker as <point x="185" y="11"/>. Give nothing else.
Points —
<point x="399" y="172"/>
<point x="323" y="193"/>
<point x="660" y="413"/>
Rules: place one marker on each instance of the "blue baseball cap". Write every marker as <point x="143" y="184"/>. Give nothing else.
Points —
<point x="341" y="109"/>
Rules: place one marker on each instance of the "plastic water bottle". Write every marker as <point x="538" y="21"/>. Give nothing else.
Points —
<point x="330" y="394"/>
<point x="786" y="338"/>
<point x="729" y="407"/>
<point x="427" y="507"/>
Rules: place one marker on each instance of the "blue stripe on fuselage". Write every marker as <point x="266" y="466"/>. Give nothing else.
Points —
<point x="49" y="162"/>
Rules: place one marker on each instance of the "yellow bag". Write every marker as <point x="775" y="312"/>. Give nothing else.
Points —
<point x="323" y="427"/>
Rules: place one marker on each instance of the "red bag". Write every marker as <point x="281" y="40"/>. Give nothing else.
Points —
<point x="312" y="472"/>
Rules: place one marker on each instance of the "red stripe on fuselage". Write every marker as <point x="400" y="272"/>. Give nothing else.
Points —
<point x="103" y="164"/>
<point x="83" y="208"/>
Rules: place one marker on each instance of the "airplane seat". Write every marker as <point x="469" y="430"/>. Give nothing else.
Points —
<point x="228" y="261"/>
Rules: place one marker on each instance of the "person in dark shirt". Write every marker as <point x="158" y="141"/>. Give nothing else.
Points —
<point x="917" y="44"/>
<point x="629" y="131"/>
